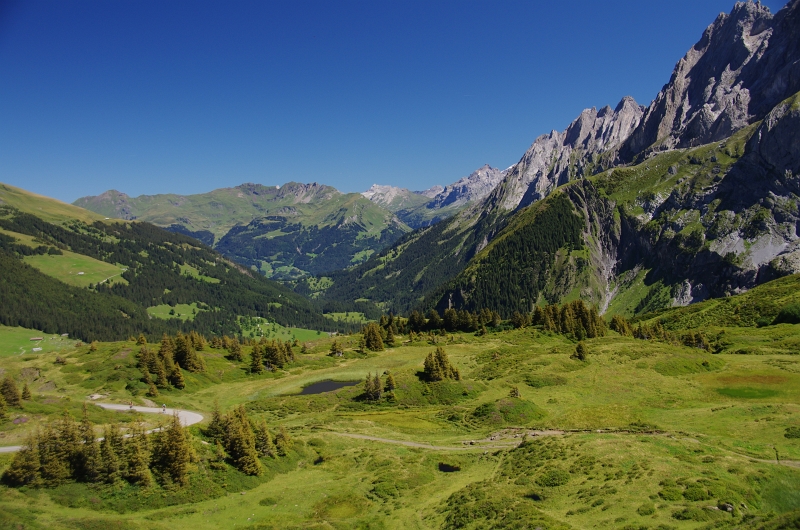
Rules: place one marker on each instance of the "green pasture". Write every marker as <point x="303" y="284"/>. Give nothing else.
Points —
<point x="641" y="434"/>
<point x="76" y="269"/>
<point x="181" y="311"/>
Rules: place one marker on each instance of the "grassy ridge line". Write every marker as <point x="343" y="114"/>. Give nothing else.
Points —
<point x="49" y="209"/>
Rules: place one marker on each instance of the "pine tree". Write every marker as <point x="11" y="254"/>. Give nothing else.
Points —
<point x="390" y="384"/>
<point x="283" y="442"/>
<point x="88" y="460"/>
<point x="235" y="351"/>
<point x="580" y="352"/>
<point x="141" y="339"/>
<point x="437" y="366"/>
<point x="368" y="388"/>
<point x="10" y="392"/>
<point x="514" y="393"/>
<point x="216" y="427"/>
<point x="372" y="337"/>
<point x="172" y="453"/>
<point x="3" y="409"/>
<point x="377" y="387"/>
<point x="54" y="462"/>
<point x="152" y="391"/>
<point x="336" y="349"/>
<point x="240" y="443"/>
<point x="138" y="470"/>
<point x="256" y="361"/>
<point x="166" y="353"/>
<point x="26" y="393"/>
<point x="264" y="443"/>
<point x="93" y="346"/>
<point x="176" y="378"/>
<point x="390" y="336"/>
<point x="108" y="468"/>
<point x="161" y="375"/>
<point x="24" y="468"/>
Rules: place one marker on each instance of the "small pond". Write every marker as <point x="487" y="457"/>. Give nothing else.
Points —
<point x="326" y="386"/>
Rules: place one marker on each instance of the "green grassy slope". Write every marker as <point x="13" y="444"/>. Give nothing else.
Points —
<point x="642" y="433"/>
<point x="285" y="232"/>
<point x="49" y="209"/>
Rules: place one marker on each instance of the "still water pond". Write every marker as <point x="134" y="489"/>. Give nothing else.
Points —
<point x="327" y="386"/>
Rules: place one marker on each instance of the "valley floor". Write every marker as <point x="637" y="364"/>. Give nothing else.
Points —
<point x="642" y="434"/>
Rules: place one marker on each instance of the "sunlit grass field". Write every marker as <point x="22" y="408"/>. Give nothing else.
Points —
<point x="641" y="434"/>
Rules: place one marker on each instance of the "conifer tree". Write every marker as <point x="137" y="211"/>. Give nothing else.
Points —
<point x="235" y="350"/>
<point x="186" y="356"/>
<point x="26" y="392"/>
<point x="10" y="392"/>
<point x="152" y="391"/>
<point x="216" y="427"/>
<point x="283" y="443"/>
<point x="390" y="383"/>
<point x="25" y="467"/>
<point x="172" y="453"/>
<point x="377" y="387"/>
<point x="372" y="337"/>
<point x="161" y="375"/>
<point x="88" y="460"/>
<point x="54" y="461"/>
<point x="390" y="336"/>
<point x="176" y="378"/>
<point x="166" y="353"/>
<point x="265" y="446"/>
<point x="93" y="346"/>
<point x="437" y="366"/>
<point x="3" y="409"/>
<point x="141" y="339"/>
<point x="580" y="352"/>
<point x="336" y="349"/>
<point x="256" y="361"/>
<point x="362" y="344"/>
<point x="138" y="470"/>
<point x="109" y="465"/>
<point x="241" y="442"/>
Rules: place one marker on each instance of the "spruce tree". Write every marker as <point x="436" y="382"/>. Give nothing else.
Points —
<point x="580" y="352"/>
<point x="283" y="443"/>
<point x="265" y="446"/>
<point x="109" y="464"/>
<point x="25" y="467"/>
<point x="216" y="427"/>
<point x="138" y="460"/>
<point x="26" y="393"/>
<point x="390" y="383"/>
<point x="54" y="461"/>
<point x="10" y="392"/>
<point x="161" y="375"/>
<point x="3" y="409"/>
<point x="88" y="460"/>
<point x="172" y="453"/>
<point x="141" y="340"/>
<point x="390" y="336"/>
<point x="166" y="353"/>
<point x="152" y="391"/>
<point x="241" y="443"/>
<point x="256" y="360"/>
<point x="372" y="337"/>
<point x="176" y="378"/>
<point x="377" y="387"/>
<point x="336" y="349"/>
<point x="235" y="351"/>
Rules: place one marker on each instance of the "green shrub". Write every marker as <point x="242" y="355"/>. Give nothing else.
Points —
<point x="646" y="509"/>
<point x="695" y="493"/>
<point x="671" y="493"/>
<point x="792" y="432"/>
<point x="788" y="315"/>
<point x="553" y="477"/>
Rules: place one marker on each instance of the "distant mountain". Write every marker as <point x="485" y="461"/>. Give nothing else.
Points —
<point x="573" y="218"/>
<point x="424" y="208"/>
<point x="286" y="232"/>
<point x="47" y="247"/>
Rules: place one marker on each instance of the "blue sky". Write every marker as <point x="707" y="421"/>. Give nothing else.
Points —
<point x="187" y="96"/>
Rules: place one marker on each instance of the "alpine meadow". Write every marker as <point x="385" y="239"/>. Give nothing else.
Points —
<point x="605" y="334"/>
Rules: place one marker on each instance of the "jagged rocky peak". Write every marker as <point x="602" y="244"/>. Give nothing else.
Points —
<point x="556" y="158"/>
<point x="431" y="192"/>
<point x="381" y="194"/>
<point x="474" y="187"/>
<point x="745" y="63"/>
<point x="306" y="193"/>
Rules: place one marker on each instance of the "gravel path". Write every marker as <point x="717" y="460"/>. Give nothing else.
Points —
<point x="187" y="418"/>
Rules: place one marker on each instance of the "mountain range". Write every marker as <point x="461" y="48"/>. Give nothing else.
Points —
<point x="634" y="208"/>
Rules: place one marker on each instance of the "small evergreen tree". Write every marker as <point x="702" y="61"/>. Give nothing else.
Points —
<point x="152" y="391"/>
<point x="3" y="409"/>
<point x="176" y="378"/>
<point x="10" y="392"/>
<point x="216" y="427"/>
<point x="437" y="366"/>
<point x="580" y="352"/>
<point x="372" y="337"/>
<point x="141" y="340"/>
<point x="265" y="446"/>
<point x="26" y="393"/>
<point x="283" y="442"/>
<point x="172" y="453"/>
<point x="161" y="375"/>
<point x="24" y="468"/>
<point x="256" y="361"/>
<point x="88" y="460"/>
<point x="390" y="383"/>
<point x="138" y="460"/>
<point x="235" y="350"/>
<point x="109" y="468"/>
<point x="240" y="442"/>
<point x="336" y="349"/>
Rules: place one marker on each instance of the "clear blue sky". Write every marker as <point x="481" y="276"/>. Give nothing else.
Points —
<point x="187" y="96"/>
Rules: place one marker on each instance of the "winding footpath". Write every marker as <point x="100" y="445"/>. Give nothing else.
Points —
<point x="187" y="417"/>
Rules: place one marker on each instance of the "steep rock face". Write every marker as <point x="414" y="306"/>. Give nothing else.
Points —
<point x="745" y="63"/>
<point x="474" y="187"/>
<point x="559" y="157"/>
<point x="393" y="198"/>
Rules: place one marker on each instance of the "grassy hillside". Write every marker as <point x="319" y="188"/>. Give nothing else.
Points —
<point x="640" y="434"/>
<point x="49" y="209"/>
<point x="94" y="281"/>
<point x="285" y="231"/>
